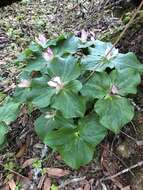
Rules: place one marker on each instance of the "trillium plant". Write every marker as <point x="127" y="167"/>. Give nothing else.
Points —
<point x="81" y="89"/>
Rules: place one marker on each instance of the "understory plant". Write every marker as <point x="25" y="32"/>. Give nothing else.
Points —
<point x="80" y="88"/>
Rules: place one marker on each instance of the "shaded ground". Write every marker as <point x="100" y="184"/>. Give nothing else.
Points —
<point x="21" y="23"/>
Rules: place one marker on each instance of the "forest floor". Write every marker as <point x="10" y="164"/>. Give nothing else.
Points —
<point x="24" y="160"/>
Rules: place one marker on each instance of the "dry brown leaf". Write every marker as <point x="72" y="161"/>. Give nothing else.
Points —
<point x="47" y="184"/>
<point x="127" y="188"/>
<point x="57" y="172"/>
<point x="5" y="187"/>
<point x="28" y="162"/>
<point x="87" y="186"/>
<point x="41" y="181"/>
<point x="12" y="184"/>
<point x="25" y="183"/>
<point x="21" y="151"/>
<point x="58" y="157"/>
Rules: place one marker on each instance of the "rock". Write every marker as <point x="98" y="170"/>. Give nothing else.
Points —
<point x="124" y="150"/>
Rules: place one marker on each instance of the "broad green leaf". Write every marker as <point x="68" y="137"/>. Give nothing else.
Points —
<point x="74" y="86"/>
<point x="40" y="82"/>
<point x="126" y="81"/>
<point x="67" y="46"/>
<point x="38" y="93"/>
<point x="98" y="86"/>
<point x="36" y="64"/>
<point x="53" y="42"/>
<point x="128" y="61"/>
<point x="86" y="44"/>
<point x="34" y="47"/>
<point x="21" y="95"/>
<point x="114" y="112"/>
<point x="59" y="137"/>
<point x="47" y="122"/>
<point x="42" y="100"/>
<point x="38" y="88"/>
<point x="77" y="145"/>
<point x="97" y="59"/>
<point x="2" y="96"/>
<point x="77" y="152"/>
<point x="69" y="103"/>
<point x="3" y="131"/>
<point x="66" y="68"/>
<point x="91" y="130"/>
<point x="101" y="84"/>
<point x="24" y="56"/>
<point x="9" y="112"/>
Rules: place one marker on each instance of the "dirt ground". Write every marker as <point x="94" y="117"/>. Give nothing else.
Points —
<point x="24" y="160"/>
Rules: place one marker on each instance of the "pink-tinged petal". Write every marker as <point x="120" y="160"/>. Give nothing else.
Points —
<point x="52" y="84"/>
<point x="48" y="55"/>
<point x="41" y="40"/>
<point x="56" y="83"/>
<point x="92" y="34"/>
<point x="57" y="80"/>
<point x="24" y="84"/>
<point x="114" y="90"/>
<point x="50" y="115"/>
<point x="84" y="36"/>
<point x="92" y="39"/>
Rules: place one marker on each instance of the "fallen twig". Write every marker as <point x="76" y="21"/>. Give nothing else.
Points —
<point x="14" y="172"/>
<point x="122" y="172"/>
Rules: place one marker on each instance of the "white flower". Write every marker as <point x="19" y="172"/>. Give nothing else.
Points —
<point x="50" y="115"/>
<point x="114" y="90"/>
<point x="55" y="82"/>
<point x="48" y="55"/>
<point x="109" y="54"/>
<point x="41" y="40"/>
<point x="24" y="84"/>
<point x="84" y="36"/>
